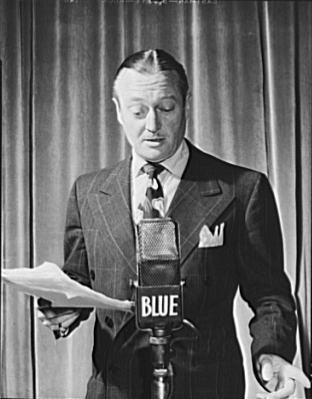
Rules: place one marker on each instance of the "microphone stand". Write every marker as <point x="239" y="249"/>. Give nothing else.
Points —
<point x="160" y="358"/>
<point x="161" y="340"/>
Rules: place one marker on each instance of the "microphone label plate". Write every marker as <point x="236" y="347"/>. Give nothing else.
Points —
<point x="159" y="307"/>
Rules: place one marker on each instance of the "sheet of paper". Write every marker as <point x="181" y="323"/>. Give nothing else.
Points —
<point x="48" y="281"/>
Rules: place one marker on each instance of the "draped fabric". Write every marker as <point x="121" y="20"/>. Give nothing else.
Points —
<point x="249" y="69"/>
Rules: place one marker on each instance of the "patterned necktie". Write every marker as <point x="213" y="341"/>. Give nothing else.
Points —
<point x="154" y="193"/>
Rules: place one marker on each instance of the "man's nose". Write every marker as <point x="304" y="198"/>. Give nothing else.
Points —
<point x="152" y="121"/>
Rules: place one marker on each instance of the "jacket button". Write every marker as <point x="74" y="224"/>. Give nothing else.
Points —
<point x="92" y="274"/>
<point x="109" y="322"/>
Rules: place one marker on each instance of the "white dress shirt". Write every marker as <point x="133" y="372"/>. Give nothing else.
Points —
<point x="169" y="178"/>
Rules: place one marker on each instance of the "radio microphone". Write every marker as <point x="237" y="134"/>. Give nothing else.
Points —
<point x="159" y="297"/>
<point x="159" y="287"/>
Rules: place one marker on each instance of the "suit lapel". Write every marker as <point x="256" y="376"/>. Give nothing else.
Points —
<point x="113" y="198"/>
<point x="200" y="199"/>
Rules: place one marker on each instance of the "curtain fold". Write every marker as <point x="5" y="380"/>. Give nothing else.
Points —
<point x="303" y="121"/>
<point x="249" y="69"/>
<point x="16" y="343"/>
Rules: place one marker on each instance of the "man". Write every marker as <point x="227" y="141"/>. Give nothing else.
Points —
<point x="229" y="237"/>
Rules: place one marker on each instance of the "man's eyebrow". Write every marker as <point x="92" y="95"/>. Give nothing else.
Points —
<point x="136" y="99"/>
<point x="169" y="97"/>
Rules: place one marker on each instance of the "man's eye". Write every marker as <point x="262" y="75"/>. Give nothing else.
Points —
<point x="167" y="109"/>
<point x="138" y="112"/>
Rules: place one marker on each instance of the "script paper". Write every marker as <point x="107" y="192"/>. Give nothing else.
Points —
<point x="48" y="281"/>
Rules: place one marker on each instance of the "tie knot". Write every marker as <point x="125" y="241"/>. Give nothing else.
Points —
<point x="152" y="169"/>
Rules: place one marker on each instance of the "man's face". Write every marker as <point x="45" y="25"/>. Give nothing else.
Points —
<point x="150" y="109"/>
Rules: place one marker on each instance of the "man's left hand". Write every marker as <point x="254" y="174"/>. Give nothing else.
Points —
<point x="279" y="377"/>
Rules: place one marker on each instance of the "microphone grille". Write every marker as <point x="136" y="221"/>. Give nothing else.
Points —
<point x="159" y="261"/>
<point x="158" y="240"/>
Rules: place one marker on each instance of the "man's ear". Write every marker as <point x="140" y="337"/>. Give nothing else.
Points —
<point x="117" y="110"/>
<point x="187" y="106"/>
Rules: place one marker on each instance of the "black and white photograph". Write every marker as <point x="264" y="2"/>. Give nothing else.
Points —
<point x="155" y="199"/>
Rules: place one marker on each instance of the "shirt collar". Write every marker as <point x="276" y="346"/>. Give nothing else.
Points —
<point x="175" y="164"/>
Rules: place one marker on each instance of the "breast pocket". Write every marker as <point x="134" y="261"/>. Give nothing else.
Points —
<point x="210" y="276"/>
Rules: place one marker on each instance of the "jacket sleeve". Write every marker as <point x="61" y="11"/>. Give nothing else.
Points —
<point x="75" y="254"/>
<point x="263" y="282"/>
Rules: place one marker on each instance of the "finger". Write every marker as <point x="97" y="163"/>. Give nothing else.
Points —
<point x="40" y="315"/>
<point x="46" y="323"/>
<point x="69" y="321"/>
<point x="265" y="395"/>
<point x="63" y="318"/>
<point x="56" y="320"/>
<point x="267" y="371"/>
<point x="48" y="307"/>
<point x="51" y="314"/>
<point x="297" y="374"/>
<point x="283" y="393"/>
<point x="54" y="326"/>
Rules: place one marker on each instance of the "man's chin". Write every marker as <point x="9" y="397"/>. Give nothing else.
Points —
<point x="154" y="155"/>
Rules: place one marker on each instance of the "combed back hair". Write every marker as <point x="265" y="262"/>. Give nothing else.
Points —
<point x="152" y="62"/>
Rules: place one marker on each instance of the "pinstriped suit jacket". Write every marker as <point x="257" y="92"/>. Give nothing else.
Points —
<point x="100" y="252"/>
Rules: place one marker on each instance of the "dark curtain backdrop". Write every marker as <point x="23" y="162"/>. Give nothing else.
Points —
<point x="249" y="66"/>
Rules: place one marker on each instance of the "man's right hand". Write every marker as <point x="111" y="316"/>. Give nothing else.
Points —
<point x="60" y="320"/>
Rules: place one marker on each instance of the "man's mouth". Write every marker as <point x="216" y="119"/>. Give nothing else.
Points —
<point x="156" y="140"/>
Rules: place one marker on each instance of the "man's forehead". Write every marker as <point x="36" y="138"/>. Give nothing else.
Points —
<point x="131" y="82"/>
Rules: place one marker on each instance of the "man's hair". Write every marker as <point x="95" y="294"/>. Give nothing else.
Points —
<point x="152" y="62"/>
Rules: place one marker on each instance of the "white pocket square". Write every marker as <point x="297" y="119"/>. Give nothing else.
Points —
<point x="209" y="239"/>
